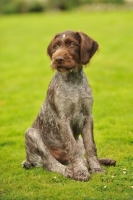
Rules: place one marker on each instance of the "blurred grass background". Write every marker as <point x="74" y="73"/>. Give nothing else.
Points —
<point x="24" y="77"/>
<point x="23" y="6"/>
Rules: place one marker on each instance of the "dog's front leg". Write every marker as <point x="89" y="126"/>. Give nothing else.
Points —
<point x="90" y="147"/>
<point x="77" y="164"/>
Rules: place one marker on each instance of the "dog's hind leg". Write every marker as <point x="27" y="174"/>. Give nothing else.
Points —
<point x="37" y="154"/>
<point x="33" y="158"/>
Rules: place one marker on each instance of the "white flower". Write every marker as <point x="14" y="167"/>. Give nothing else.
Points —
<point x="124" y="170"/>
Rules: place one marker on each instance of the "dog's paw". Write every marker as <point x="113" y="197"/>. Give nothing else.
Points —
<point x="98" y="170"/>
<point x="95" y="166"/>
<point x="77" y="173"/>
<point x="107" y="162"/>
<point x="81" y="174"/>
<point x="69" y="171"/>
<point x="26" y="165"/>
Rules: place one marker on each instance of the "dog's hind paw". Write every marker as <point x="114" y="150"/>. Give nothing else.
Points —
<point x="107" y="161"/>
<point x="26" y="165"/>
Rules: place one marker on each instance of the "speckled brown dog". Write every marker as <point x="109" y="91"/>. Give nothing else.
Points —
<point x="53" y="140"/>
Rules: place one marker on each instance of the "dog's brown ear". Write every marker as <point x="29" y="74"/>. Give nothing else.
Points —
<point x="50" y="46"/>
<point x="88" y="48"/>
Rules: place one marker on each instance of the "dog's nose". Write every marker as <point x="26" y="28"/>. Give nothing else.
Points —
<point x="59" y="59"/>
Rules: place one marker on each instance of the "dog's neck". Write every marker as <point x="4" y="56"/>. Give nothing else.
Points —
<point x="74" y="75"/>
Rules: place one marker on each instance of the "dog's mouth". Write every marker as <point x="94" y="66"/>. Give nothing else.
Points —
<point x="62" y="68"/>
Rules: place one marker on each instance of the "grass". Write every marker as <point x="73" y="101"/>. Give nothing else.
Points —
<point x="24" y="77"/>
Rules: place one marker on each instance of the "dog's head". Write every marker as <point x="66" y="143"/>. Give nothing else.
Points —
<point x="70" y="49"/>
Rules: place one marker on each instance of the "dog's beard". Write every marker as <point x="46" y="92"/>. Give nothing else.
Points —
<point x="63" y="68"/>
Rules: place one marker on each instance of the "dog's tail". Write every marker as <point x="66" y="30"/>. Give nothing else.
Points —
<point x="107" y="161"/>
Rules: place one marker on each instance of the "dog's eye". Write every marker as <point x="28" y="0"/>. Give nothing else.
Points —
<point x="72" y="44"/>
<point x="56" y="46"/>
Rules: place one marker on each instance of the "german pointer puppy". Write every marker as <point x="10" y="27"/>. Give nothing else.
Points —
<point x="54" y="141"/>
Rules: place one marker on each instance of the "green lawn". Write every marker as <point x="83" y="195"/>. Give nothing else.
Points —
<point x="24" y="77"/>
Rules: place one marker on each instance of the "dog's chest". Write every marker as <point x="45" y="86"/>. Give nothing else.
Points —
<point x="71" y="98"/>
<point x="74" y="103"/>
<point x="74" y="100"/>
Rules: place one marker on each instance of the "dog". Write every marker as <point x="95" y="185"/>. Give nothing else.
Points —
<point x="53" y="141"/>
